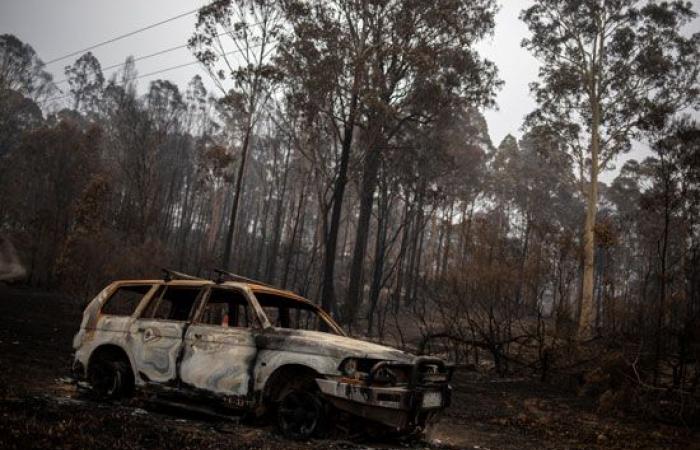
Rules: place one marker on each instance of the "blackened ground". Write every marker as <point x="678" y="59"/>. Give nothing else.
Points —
<point x="40" y="409"/>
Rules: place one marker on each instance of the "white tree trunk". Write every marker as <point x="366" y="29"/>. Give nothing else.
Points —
<point x="586" y="324"/>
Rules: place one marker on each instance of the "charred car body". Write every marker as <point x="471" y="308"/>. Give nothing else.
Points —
<point x="248" y="346"/>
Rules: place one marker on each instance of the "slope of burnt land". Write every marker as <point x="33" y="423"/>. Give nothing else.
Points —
<point x="39" y="408"/>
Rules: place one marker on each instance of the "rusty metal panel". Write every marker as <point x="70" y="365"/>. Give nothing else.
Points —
<point x="377" y="396"/>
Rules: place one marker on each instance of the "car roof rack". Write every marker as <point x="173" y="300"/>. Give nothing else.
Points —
<point x="235" y="277"/>
<point x="169" y="275"/>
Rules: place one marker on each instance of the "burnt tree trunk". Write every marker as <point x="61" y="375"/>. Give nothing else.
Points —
<point x="379" y="255"/>
<point x="225" y="261"/>
<point x="277" y="224"/>
<point x="355" y="288"/>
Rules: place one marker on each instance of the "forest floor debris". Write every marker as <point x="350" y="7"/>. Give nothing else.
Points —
<point x="39" y="408"/>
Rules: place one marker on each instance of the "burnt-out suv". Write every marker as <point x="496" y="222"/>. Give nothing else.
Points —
<point x="246" y="346"/>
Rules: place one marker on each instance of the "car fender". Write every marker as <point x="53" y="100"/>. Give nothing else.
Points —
<point x="268" y="361"/>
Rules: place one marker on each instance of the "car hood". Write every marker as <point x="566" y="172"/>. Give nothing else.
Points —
<point x="316" y="342"/>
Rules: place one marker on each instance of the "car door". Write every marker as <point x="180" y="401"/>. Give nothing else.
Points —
<point x="116" y="315"/>
<point x="219" y="349"/>
<point x="158" y="333"/>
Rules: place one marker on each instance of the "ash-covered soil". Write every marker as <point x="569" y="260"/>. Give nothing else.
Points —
<point x="40" y="409"/>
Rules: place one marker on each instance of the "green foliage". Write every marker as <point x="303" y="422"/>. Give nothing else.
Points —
<point x="626" y="59"/>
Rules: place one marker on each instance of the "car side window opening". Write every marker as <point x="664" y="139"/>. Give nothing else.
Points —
<point x="125" y="300"/>
<point x="172" y="303"/>
<point x="227" y="308"/>
<point x="284" y="312"/>
<point x="274" y="316"/>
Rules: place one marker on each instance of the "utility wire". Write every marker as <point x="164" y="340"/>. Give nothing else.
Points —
<point x="152" y="55"/>
<point x="167" y="69"/>
<point x="157" y="72"/>
<point x="122" y="36"/>
<point x="140" y="58"/>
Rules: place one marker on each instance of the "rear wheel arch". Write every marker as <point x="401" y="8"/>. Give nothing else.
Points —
<point x="118" y="360"/>
<point x="108" y="351"/>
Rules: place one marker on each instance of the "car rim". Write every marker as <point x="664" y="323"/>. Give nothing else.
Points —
<point x="300" y="413"/>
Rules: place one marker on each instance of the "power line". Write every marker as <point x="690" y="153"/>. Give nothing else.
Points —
<point x="123" y="36"/>
<point x="167" y="69"/>
<point x="140" y="58"/>
<point x="152" y="55"/>
<point x="150" y="74"/>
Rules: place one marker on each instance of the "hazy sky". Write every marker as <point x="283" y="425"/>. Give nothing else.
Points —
<point x="517" y="67"/>
<point x="55" y="28"/>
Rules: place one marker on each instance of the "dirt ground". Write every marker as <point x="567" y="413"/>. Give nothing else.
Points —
<point x="40" y="409"/>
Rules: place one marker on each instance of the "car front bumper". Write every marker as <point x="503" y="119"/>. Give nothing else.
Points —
<point x="403" y="408"/>
<point x="400" y="408"/>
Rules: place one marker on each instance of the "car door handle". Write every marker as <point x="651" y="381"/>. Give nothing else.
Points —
<point x="149" y="334"/>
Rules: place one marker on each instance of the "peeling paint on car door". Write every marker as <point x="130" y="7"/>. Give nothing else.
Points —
<point x="156" y="337"/>
<point x="156" y="345"/>
<point x="219" y="348"/>
<point x="218" y="359"/>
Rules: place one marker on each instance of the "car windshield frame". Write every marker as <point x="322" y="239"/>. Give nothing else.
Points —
<point x="331" y="327"/>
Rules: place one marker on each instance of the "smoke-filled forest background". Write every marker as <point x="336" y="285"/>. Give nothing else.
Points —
<point x="344" y="155"/>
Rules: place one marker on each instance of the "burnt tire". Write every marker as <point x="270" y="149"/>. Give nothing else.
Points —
<point x="111" y="379"/>
<point x="302" y="412"/>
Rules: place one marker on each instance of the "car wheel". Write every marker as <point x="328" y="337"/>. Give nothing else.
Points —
<point x="302" y="413"/>
<point x="111" y="379"/>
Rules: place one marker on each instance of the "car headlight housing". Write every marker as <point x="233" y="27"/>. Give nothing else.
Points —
<point x="349" y="367"/>
<point x="375" y="370"/>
